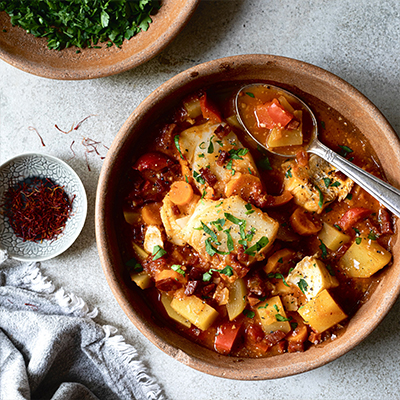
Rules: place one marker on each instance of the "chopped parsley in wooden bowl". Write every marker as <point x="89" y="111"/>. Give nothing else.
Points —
<point x="71" y="40"/>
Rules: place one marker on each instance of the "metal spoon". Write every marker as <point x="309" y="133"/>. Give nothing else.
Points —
<point x="382" y="191"/>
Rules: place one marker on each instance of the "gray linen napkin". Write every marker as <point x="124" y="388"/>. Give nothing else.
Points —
<point x="50" y="348"/>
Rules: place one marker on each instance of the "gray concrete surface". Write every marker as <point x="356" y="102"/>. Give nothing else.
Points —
<point x="356" y="39"/>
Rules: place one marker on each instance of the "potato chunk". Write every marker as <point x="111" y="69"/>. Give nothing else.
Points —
<point x="166" y="301"/>
<point x="237" y="299"/>
<point x="272" y="315"/>
<point x="332" y="237"/>
<point x="236" y="225"/>
<point x="322" y="312"/>
<point x="142" y="279"/>
<point x="197" y="311"/>
<point x="312" y="277"/>
<point x="363" y="258"/>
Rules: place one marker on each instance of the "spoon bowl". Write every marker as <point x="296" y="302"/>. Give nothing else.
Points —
<point x="386" y="194"/>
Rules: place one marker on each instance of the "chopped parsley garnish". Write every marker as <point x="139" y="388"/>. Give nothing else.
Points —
<point x="323" y="249"/>
<point x="158" y="252"/>
<point x="349" y="196"/>
<point x="278" y="276"/>
<point x="220" y="142"/>
<point x="178" y="147"/>
<point x="327" y="181"/>
<point x="178" y="268"/>
<point x="345" y="151"/>
<point x="264" y="164"/>
<point x="207" y="276"/>
<point x="294" y="325"/>
<point x="210" y="232"/>
<point x="264" y="306"/>
<point x="336" y="184"/>
<point x="210" y="149"/>
<point x="358" y="240"/>
<point x="321" y="197"/>
<point x="81" y="23"/>
<point x="276" y="308"/>
<point x="219" y="223"/>
<point x="289" y="173"/>
<point x="211" y="250"/>
<point x="233" y="219"/>
<point x="330" y="270"/>
<point x="251" y="251"/>
<point x="357" y="231"/>
<point x="202" y="145"/>
<point x="237" y="154"/>
<point x="249" y="313"/>
<point x="372" y="235"/>
<point x="280" y="317"/>
<point x="250" y="94"/>
<point x="198" y="178"/>
<point x="134" y="265"/>
<point x="201" y="155"/>
<point x="249" y="209"/>
<point x="229" y="243"/>
<point x="337" y="227"/>
<point x="228" y="271"/>
<point x="219" y="204"/>
<point x="303" y="285"/>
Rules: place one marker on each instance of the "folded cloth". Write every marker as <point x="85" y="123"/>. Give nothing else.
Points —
<point x="50" y="348"/>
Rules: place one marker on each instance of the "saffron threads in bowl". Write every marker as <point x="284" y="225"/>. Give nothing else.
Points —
<point x="37" y="209"/>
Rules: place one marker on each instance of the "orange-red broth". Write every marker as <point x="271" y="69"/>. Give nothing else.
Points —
<point x="334" y="131"/>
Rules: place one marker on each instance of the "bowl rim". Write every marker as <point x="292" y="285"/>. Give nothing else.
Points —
<point x="294" y="365"/>
<point x="133" y="61"/>
<point x="79" y="227"/>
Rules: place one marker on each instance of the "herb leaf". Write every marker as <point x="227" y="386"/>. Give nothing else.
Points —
<point x="257" y="247"/>
<point x="303" y="285"/>
<point x="81" y="23"/>
<point x="158" y="252"/>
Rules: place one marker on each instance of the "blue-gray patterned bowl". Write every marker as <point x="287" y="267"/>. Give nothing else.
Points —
<point x="42" y="166"/>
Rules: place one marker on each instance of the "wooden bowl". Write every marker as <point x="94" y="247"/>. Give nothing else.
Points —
<point x="31" y="54"/>
<point x="309" y="79"/>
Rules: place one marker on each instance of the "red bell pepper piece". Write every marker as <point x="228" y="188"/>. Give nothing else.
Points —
<point x="154" y="161"/>
<point x="226" y="337"/>
<point x="353" y="215"/>
<point x="209" y="110"/>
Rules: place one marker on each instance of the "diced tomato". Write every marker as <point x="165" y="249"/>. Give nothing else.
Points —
<point x="209" y="110"/>
<point x="353" y="215"/>
<point x="155" y="161"/>
<point x="226" y="337"/>
<point x="272" y="114"/>
<point x="264" y="120"/>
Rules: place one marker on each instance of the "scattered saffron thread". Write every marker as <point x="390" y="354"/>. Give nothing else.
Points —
<point x="31" y="128"/>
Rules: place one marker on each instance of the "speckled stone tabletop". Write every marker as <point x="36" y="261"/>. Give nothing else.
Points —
<point x="358" y="40"/>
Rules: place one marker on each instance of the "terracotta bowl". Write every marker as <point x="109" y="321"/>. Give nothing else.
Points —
<point x="31" y="54"/>
<point x="309" y="79"/>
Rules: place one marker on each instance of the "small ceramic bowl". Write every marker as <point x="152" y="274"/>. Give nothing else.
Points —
<point x="42" y="166"/>
<point x="29" y="53"/>
<point x="314" y="81"/>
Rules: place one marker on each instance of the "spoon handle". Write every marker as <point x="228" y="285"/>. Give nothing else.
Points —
<point x="382" y="191"/>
